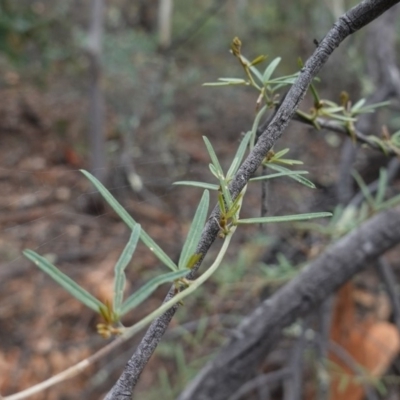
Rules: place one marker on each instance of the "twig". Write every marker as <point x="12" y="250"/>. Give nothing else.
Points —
<point x="386" y="274"/>
<point x="260" y="380"/>
<point x="353" y="365"/>
<point x="353" y="20"/>
<point x="293" y="385"/>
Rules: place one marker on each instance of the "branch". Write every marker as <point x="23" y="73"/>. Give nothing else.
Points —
<point x="349" y="23"/>
<point x="259" y="332"/>
<point x="338" y="128"/>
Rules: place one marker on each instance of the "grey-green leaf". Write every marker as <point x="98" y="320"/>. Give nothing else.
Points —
<point x="239" y="156"/>
<point x="284" y="218"/>
<point x="213" y="156"/>
<point x="65" y="281"/>
<point x="270" y="69"/>
<point x="296" y="177"/>
<point x="146" y="239"/>
<point x="202" y="185"/>
<point x="147" y="289"/>
<point x="119" y="269"/>
<point x="277" y="175"/>
<point x="194" y="234"/>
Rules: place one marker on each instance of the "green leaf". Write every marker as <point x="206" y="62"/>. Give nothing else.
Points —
<point x="288" y="161"/>
<point x="220" y="173"/>
<point x="213" y="157"/>
<point x="238" y="156"/>
<point x="202" y="185"/>
<point x="270" y="69"/>
<point x="194" y="234"/>
<point x="382" y="186"/>
<point x="332" y="110"/>
<point x="232" y="80"/>
<point x="341" y="117"/>
<point x="284" y="218"/>
<point x="119" y="269"/>
<point x="296" y="177"/>
<point x="147" y="289"/>
<point x="358" y="105"/>
<point x="219" y="84"/>
<point x="213" y="170"/>
<point x="277" y="175"/>
<point x="65" y="281"/>
<point x="371" y="107"/>
<point x="255" y="125"/>
<point x="394" y="201"/>
<point x="364" y="188"/>
<point x="146" y="239"/>
<point x="281" y="153"/>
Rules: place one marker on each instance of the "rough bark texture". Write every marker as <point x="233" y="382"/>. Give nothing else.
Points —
<point x="349" y="23"/>
<point x="259" y="332"/>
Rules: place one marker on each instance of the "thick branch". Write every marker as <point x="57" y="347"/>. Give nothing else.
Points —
<point x="259" y="332"/>
<point x="350" y="22"/>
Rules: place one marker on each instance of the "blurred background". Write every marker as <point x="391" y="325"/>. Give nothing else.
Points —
<point x="115" y="87"/>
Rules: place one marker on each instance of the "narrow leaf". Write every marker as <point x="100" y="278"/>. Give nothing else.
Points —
<point x="277" y="175"/>
<point x="332" y="110"/>
<point x="202" y="185"/>
<point x="281" y="153"/>
<point x="232" y="80"/>
<point x="119" y="269"/>
<point x="213" y="157"/>
<point x="146" y="239"/>
<point x="221" y="83"/>
<point x="288" y="161"/>
<point x="194" y="234"/>
<point x="296" y="177"/>
<point x="65" y="281"/>
<point x="147" y="289"/>
<point x="270" y="69"/>
<point x="255" y="125"/>
<point x="284" y="218"/>
<point x="239" y="155"/>
<point x="213" y="170"/>
<point x="382" y="186"/>
<point x="358" y="105"/>
<point x="364" y="188"/>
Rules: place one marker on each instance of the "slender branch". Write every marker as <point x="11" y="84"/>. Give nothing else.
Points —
<point x="262" y="329"/>
<point x="353" y="20"/>
<point x="348" y="359"/>
<point x="389" y="279"/>
<point x="293" y="384"/>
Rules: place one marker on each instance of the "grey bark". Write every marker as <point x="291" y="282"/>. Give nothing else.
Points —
<point x="349" y="23"/>
<point x="259" y="332"/>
